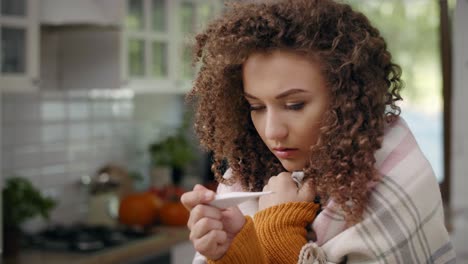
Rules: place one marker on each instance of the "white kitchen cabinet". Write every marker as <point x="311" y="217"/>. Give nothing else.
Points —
<point x="142" y="45"/>
<point x="81" y="12"/>
<point x="80" y="57"/>
<point x="19" y="58"/>
<point x="156" y="55"/>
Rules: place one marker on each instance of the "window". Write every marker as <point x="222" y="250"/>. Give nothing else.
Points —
<point x="193" y="16"/>
<point x="13" y="8"/>
<point x="13" y="30"/>
<point x="157" y="41"/>
<point x="19" y="37"/>
<point x="411" y="29"/>
<point x="147" y="37"/>
<point x="13" y="50"/>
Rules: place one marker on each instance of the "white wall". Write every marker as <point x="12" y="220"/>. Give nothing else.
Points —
<point x="459" y="163"/>
<point x="55" y="137"/>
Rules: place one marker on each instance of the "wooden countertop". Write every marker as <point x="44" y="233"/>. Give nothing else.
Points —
<point x="161" y="242"/>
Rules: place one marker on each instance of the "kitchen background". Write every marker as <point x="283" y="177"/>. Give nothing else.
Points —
<point x="92" y="82"/>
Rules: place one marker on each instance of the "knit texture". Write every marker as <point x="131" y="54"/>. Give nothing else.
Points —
<point x="282" y="230"/>
<point x="245" y="248"/>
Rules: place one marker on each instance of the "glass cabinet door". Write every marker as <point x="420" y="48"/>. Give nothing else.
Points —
<point x="159" y="59"/>
<point x="13" y="37"/>
<point x="147" y="37"/>
<point x="156" y="42"/>
<point x="19" y="44"/>
<point x="136" y="57"/>
<point x="135" y="15"/>
<point x="13" y="49"/>
<point x="159" y="16"/>
<point x="13" y="8"/>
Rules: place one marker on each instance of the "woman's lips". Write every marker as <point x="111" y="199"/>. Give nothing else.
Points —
<point x="285" y="153"/>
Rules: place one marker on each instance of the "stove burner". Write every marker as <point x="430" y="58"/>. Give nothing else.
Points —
<point x="84" y="238"/>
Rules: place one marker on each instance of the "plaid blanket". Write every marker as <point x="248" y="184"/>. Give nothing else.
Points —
<point x="403" y="223"/>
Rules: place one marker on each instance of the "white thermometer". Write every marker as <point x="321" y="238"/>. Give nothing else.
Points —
<point x="226" y="200"/>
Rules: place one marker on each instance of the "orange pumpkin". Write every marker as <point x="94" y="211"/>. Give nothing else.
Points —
<point x="173" y="213"/>
<point x="139" y="209"/>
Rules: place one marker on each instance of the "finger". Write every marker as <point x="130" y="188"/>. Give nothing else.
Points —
<point x="201" y="211"/>
<point x="233" y="220"/>
<point x="199" y="187"/>
<point x="204" y="226"/>
<point x="286" y="178"/>
<point x="272" y="180"/>
<point x="306" y="192"/>
<point x="195" y="197"/>
<point x="209" y="245"/>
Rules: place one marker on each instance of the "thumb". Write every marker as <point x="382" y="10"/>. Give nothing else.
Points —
<point x="307" y="192"/>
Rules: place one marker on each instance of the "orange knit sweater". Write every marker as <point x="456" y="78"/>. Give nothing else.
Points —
<point x="276" y="235"/>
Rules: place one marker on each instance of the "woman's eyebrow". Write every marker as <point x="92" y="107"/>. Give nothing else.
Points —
<point x="289" y="92"/>
<point x="281" y="95"/>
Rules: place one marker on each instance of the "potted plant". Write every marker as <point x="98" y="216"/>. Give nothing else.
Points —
<point x="175" y="151"/>
<point x="21" y="201"/>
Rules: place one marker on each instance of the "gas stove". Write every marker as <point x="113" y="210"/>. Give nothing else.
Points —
<point x="84" y="238"/>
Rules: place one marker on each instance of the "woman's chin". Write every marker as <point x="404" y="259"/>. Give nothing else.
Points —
<point x="292" y="165"/>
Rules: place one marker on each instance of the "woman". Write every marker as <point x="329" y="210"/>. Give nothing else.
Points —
<point x="309" y="85"/>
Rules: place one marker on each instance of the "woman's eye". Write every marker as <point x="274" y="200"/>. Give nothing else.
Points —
<point x="296" y="106"/>
<point x="256" y="107"/>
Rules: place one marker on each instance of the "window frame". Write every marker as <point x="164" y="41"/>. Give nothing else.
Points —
<point x="29" y="79"/>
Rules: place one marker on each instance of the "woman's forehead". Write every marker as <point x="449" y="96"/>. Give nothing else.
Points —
<point x="279" y="71"/>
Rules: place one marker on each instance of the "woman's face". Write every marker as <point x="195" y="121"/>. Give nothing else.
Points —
<point x="287" y="96"/>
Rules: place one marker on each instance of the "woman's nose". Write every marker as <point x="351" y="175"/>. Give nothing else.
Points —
<point x="275" y="127"/>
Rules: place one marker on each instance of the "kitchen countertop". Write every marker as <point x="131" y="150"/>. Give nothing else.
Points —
<point x="157" y="244"/>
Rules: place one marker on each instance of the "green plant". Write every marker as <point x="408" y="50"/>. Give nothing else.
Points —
<point x="175" y="151"/>
<point x="22" y="201"/>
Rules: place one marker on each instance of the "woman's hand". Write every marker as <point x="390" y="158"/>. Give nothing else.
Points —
<point x="284" y="190"/>
<point x="211" y="229"/>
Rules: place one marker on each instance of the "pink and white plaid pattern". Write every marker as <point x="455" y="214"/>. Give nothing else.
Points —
<point x="403" y="222"/>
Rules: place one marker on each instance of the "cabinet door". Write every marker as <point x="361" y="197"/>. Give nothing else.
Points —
<point x="19" y="29"/>
<point x="156" y="47"/>
<point x="147" y="46"/>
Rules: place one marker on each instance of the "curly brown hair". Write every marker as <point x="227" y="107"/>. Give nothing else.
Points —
<point x="364" y="85"/>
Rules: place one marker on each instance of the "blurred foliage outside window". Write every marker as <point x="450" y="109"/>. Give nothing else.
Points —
<point x="159" y="59"/>
<point x="147" y="32"/>
<point x="159" y="16"/>
<point x="136" y="57"/>
<point x="411" y="29"/>
<point x="187" y="17"/>
<point x="134" y="18"/>
<point x="194" y="16"/>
